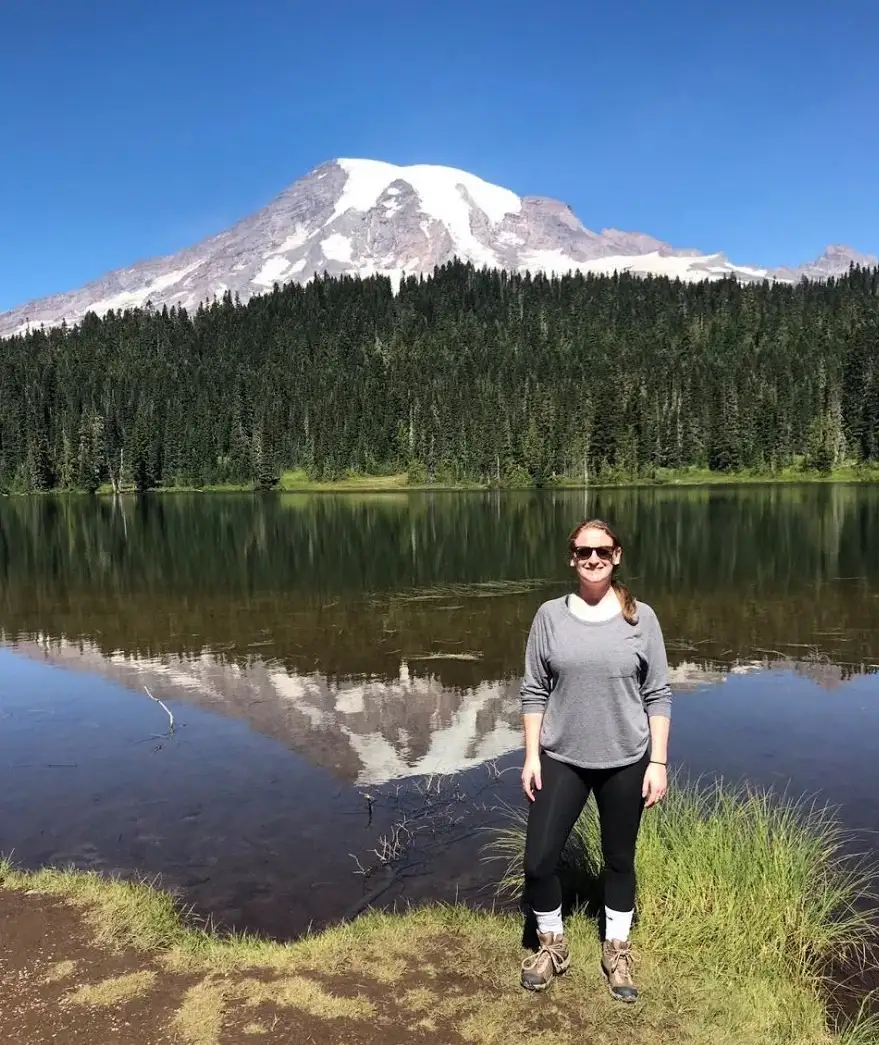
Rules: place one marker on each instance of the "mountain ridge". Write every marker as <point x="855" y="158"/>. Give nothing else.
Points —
<point x="367" y="217"/>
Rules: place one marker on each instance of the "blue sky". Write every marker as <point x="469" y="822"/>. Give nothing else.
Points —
<point x="134" y="129"/>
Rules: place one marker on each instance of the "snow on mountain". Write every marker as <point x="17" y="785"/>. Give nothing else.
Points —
<point x="438" y="189"/>
<point x="365" y="217"/>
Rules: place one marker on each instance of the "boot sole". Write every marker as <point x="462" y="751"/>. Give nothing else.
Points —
<point x="613" y="993"/>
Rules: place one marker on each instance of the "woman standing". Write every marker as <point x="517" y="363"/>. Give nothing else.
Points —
<point x="596" y="708"/>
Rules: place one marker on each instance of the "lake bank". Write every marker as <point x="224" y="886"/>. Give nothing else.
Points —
<point x="726" y="877"/>
<point x="297" y="481"/>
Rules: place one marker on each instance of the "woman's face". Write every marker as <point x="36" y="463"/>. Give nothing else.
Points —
<point x="594" y="556"/>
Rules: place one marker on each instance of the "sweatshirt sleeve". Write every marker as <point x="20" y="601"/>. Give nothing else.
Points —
<point x="655" y="690"/>
<point x="537" y="680"/>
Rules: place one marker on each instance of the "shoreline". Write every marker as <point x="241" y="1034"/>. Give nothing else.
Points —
<point x="728" y="874"/>
<point x="293" y="481"/>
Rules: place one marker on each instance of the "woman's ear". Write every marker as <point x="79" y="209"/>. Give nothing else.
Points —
<point x="617" y="555"/>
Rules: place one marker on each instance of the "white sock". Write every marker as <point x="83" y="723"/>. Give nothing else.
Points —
<point x="549" y="921"/>
<point x="618" y="924"/>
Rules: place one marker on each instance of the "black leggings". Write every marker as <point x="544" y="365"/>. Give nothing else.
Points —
<point x="555" y="810"/>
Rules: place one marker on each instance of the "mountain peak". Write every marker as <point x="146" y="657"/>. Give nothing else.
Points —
<point x="367" y="217"/>
<point x="841" y="251"/>
<point x="834" y="260"/>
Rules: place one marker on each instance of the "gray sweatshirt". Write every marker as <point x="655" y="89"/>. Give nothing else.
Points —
<point x="597" y="683"/>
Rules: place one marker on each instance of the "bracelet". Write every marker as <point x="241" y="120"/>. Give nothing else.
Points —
<point x="653" y="763"/>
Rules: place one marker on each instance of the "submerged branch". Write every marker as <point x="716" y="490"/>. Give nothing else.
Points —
<point x="165" y="708"/>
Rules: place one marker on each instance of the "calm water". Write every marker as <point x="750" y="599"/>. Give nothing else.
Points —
<point x="322" y="654"/>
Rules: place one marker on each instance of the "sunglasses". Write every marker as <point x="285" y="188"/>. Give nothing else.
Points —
<point x="582" y="552"/>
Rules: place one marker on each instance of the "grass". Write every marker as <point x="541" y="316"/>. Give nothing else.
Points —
<point x="60" y="971"/>
<point x="744" y="903"/>
<point x="696" y="476"/>
<point x="114" y="990"/>
<point x="199" y="1019"/>
<point x="300" y="992"/>
<point x="296" y="480"/>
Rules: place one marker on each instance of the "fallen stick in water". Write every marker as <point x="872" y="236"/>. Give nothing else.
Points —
<point x="163" y="705"/>
<point x="390" y="876"/>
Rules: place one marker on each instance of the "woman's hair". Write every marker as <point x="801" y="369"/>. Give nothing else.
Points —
<point x="627" y="600"/>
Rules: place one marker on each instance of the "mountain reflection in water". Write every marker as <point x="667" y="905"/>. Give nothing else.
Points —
<point x="364" y="731"/>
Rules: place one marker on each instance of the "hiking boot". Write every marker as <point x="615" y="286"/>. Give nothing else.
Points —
<point x="617" y="965"/>
<point x="552" y="959"/>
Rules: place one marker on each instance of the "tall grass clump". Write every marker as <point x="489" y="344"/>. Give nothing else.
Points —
<point x="738" y="876"/>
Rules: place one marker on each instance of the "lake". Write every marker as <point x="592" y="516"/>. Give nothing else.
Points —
<point x="343" y="672"/>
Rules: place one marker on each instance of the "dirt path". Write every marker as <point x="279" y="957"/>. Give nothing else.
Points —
<point x="58" y="987"/>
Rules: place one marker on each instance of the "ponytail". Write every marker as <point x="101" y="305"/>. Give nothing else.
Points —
<point x="627" y="601"/>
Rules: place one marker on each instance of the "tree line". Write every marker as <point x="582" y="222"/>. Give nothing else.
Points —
<point x="465" y="375"/>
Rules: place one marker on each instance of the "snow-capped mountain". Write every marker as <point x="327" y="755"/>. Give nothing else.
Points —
<point x="363" y="217"/>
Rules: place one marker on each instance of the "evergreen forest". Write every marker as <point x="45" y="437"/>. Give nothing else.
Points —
<point x="464" y="376"/>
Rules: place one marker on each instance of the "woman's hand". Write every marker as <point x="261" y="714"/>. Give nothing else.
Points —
<point x="531" y="776"/>
<point x="655" y="784"/>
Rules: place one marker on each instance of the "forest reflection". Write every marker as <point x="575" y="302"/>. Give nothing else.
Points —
<point x="347" y="585"/>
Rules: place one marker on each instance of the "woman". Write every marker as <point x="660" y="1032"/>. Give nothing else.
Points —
<point x="596" y="708"/>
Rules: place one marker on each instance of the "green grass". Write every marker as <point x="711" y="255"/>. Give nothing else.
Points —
<point x="695" y="476"/>
<point x="744" y="903"/>
<point x="296" y="480"/>
<point x="754" y="894"/>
